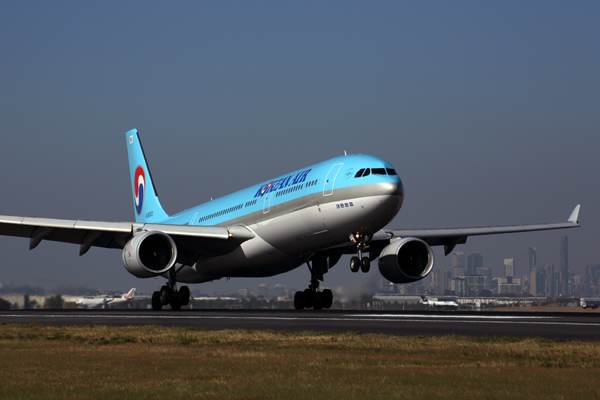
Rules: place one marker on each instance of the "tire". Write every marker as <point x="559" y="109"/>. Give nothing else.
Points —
<point x="299" y="301"/>
<point x="184" y="295"/>
<point x="175" y="305"/>
<point x="156" y="302"/>
<point x="309" y="298"/>
<point x="365" y="265"/>
<point x="165" y="295"/>
<point x="318" y="303"/>
<point x="327" y="298"/>
<point x="355" y="264"/>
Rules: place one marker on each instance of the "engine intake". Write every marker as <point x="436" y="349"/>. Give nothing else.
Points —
<point x="149" y="254"/>
<point x="406" y="260"/>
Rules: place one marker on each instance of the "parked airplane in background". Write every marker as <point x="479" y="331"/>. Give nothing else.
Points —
<point x="589" y="302"/>
<point x="440" y="304"/>
<point x="99" y="301"/>
<point x="311" y="216"/>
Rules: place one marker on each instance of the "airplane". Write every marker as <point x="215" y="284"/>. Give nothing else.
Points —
<point x="591" y="302"/>
<point x="311" y="216"/>
<point x="99" y="301"/>
<point x="440" y="304"/>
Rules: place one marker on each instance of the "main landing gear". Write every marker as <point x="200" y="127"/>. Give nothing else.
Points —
<point x="168" y="294"/>
<point x="313" y="297"/>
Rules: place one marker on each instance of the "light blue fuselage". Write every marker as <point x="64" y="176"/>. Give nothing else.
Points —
<point x="295" y="215"/>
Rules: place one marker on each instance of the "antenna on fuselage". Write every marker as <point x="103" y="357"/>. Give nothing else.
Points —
<point x="345" y="153"/>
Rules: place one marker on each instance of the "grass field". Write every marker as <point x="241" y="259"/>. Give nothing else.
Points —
<point x="99" y="362"/>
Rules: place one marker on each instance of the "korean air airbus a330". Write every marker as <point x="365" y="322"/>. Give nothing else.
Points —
<point x="311" y="216"/>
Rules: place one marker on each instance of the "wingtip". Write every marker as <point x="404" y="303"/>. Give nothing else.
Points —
<point x="574" y="218"/>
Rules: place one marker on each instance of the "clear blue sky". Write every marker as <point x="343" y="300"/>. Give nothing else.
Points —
<point x="488" y="110"/>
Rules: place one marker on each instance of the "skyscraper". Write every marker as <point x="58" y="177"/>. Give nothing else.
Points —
<point x="509" y="267"/>
<point x="458" y="259"/>
<point x="531" y="259"/>
<point x="564" y="265"/>
<point x="474" y="261"/>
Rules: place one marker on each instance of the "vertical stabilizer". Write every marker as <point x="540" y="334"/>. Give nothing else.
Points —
<point x="145" y="199"/>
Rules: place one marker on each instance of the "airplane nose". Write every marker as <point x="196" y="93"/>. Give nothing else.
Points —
<point x="391" y="188"/>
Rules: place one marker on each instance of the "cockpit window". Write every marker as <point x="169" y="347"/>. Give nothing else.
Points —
<point x="379" y="171"/>
<point x="367" y="172"/>
<point x="391" y="171"/>
<point x="359" y="173"/>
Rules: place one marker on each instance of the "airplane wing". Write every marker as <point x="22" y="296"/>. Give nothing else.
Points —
<point x="201" y="240"/>
<point x="450" y="237"/>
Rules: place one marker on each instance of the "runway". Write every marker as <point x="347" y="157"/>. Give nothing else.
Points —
<point x="559" y="326"/>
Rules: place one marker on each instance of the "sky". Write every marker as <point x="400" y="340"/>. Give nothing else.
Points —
<point x="488" y="110"/>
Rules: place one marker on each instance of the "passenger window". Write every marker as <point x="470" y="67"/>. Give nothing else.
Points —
<point x="379" y="171"/>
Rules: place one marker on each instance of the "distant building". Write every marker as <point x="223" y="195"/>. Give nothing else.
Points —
<point x="459" y="286"/>
<point x="487" y="273"/>
<point x="509" y="267"/>
<point x="458" y="259"/>
<point x="537" y="282"/>
<point x="564" y="266"/>
<point x="550" y="281"/>
<point x="475" y="283"/>
<point x="263" y="290"/>
<point x="531" y="259"/>
<point x="459" y="272"/>
<point x="514" y="288"/>
<point x="474" y="261"/>
<point x="444" y="282"/>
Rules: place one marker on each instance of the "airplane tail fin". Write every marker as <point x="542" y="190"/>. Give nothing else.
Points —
<point x="145" y="199"/>
<point x="129" y="295"/>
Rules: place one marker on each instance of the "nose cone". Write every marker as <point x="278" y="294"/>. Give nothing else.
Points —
<point x="394" y="192"/>
<point x="391" y="188"/>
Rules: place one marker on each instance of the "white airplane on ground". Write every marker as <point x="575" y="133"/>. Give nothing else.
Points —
<point x="311" y="216"/>
<point x="589" y="302"/>
<point x="440" y="304"/>
<point x="99" y="301"/>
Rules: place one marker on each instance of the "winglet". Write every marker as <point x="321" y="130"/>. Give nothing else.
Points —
<point x="574" y="218"/>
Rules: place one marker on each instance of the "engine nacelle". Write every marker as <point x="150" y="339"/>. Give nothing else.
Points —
<point x="406" y="260"/>
<point x="149" y="254"/>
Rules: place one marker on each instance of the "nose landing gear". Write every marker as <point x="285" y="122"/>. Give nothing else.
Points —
<point x="359" y="262"/>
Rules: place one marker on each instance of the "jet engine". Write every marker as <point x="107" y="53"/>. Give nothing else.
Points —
<point x="149" y="254"/>
<point x="406" y="260"/>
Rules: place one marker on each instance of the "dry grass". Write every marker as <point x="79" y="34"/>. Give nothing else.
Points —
<point x="40" y="361"/>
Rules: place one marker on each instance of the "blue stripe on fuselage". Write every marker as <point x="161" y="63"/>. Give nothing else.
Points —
<point x="252" y="199"/>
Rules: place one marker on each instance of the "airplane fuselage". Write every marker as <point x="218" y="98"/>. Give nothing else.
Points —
<point x="295" y="215"/>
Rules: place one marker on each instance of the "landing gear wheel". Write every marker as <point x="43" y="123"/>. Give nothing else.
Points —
<point x="309" y="298"/>
<point x="165" y="295"/>
<point x="156" y="302"/>
<point x="365" y="265"/>
<point x="327" y="298"/>
<point x="318" y="303"/>
<point x="355" y="264"/>
<point x="184" y="295"/>
<point x="299" y="301"/>
<point x="175" y="305"/>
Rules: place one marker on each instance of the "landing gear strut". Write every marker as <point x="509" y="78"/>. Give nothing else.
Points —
<point x="168" y="294"/>
<point x="313" y="297"/>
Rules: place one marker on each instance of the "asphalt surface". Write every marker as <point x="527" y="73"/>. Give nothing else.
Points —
<point x="559" y="326"/>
